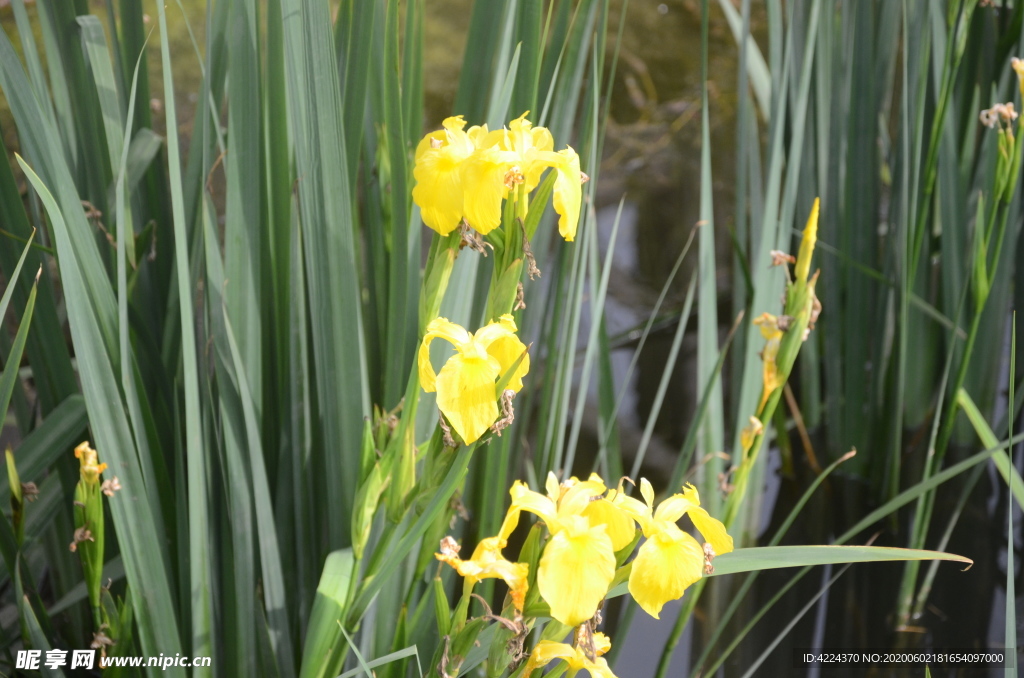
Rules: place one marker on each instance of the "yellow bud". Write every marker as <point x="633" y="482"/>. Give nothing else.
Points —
<point x="1018" y="67"/>
<point x="90" y="466"/>
<point x="803" y="260"/>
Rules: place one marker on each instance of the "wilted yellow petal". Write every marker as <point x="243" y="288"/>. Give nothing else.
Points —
<point x="667" y="563"/>
<point x="488" y="563"/>
<point x="602" y="643"/>
<point x="753" y="429"/>
<point x="465" y="394"/>
<point x="769" y="325"/>
<point x="575" y="571"/>
<point x="90" y="468"/>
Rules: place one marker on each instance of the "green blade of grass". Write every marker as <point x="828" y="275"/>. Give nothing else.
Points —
<point x="244" y="214"/>
<point x="1010" y="613"/>
<point x="711" y="436"/>
<point x="754" y="64"/>
<point x="667" y="373"/>
<point x="1001" y="459"/>
<point x="46" y="345"/>
<point x="41" y="448"/>
<point x="599" y="290"/>
<point x="12" y="283"/>
<point x="403" y="283"/>
<point x="274" y="599"/>
<point x="37" y="636"/>
<point x="9" y="378"/>
<point x="474" y="77"/>
<point x="771" y="557"/>
<point x="199" y="592"/>
<point x="315" y="115"/>
<point x="323" y="654"/>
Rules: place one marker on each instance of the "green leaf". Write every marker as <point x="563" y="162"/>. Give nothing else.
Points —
<point x="324" y="653"/>
<point x="200" y="596"/>
<point x="771" y="557"/>
<point x="1002" y="460"/>
<point x="9" y="378"/>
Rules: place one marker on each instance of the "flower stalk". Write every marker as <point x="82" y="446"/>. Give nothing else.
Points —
<point x="89" y="530"/>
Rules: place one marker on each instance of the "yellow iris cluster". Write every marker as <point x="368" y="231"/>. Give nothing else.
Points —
<point x="589" y="525"/>
<point x="465" y="174"/>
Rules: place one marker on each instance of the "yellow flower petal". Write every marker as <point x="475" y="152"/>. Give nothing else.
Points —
<point x="575" y="571"/>
<point x="647" y="491"/>
<point x="525" y="499"/>
<point x="634" y="508"/>
<point x="465" y="394"/>
<point x="578" y="496"/>
<point x="439" y="191"/>
<point x="483" y="177"/>
<point x="568" y="194"/>
<point x="552" y="487"/>
<point x="501" y="342"/>
<point x="618" y="524"/>
<point x="548" y="651"/>
<point x="438" y="328"/>
<point x="530" y="144"/>
<point x="466" y="385"/>
<point x="666" y="564"/>
<point x="710" y="528"/>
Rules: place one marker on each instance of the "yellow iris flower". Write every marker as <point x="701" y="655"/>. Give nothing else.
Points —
<point x="466" y="174"/>
<point x="488" y="563"/>
<point x="466" y="384"/>
<point x="578" y="564"/>
<point x="440" y="156"/>
<point x="530" y="151"/>
<point x="548" y="651"/>
<point x="669" y="560"/>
